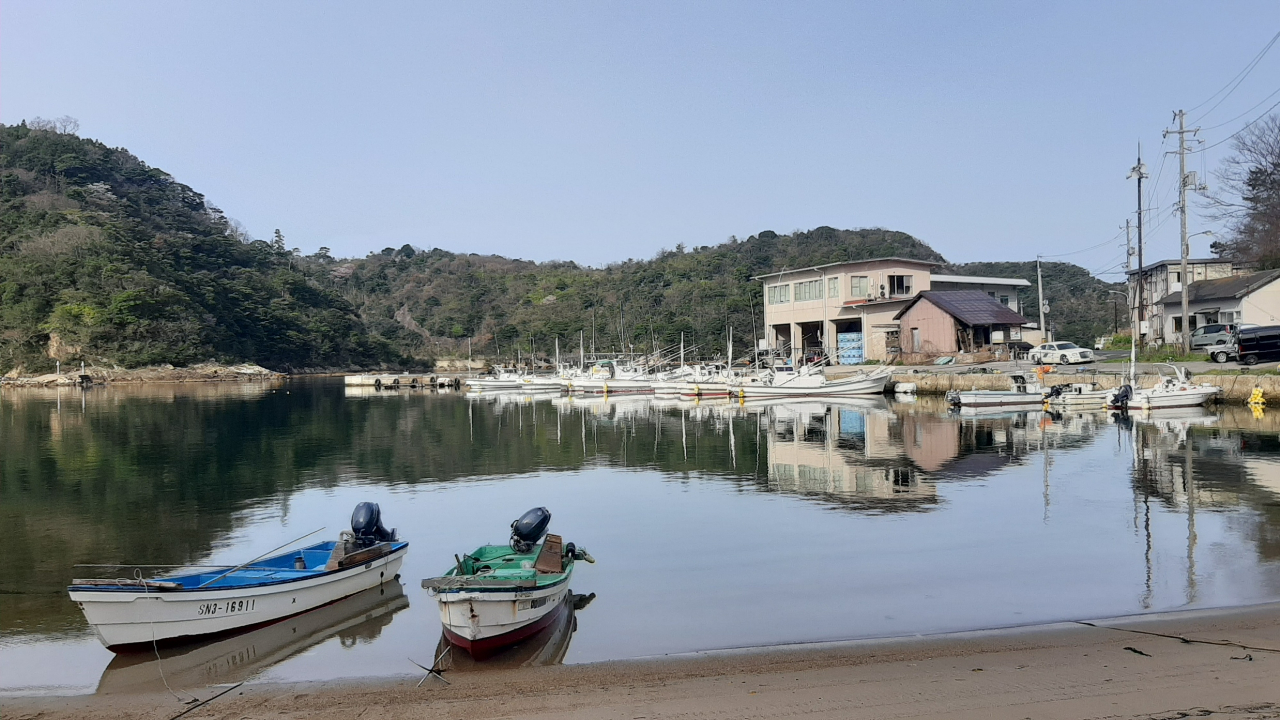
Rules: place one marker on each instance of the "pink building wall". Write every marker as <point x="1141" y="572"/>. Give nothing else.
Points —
<point x="926" y="328"/>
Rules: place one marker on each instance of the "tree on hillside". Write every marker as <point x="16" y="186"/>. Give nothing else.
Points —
<point x="1249" y="202"/>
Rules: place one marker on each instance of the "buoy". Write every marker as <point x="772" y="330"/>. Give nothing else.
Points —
<point x="1256" y="399"/>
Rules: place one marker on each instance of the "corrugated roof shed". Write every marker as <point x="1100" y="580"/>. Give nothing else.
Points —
<point x="971" y="307"/>
<point x="1223" y="288"/>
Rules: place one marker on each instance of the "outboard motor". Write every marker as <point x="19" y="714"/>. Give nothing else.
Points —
<point x="529" y="529"/>
<point x="1122" y="397"/>
<point x="366" y="526"/>
<point x="1055" y="391"/>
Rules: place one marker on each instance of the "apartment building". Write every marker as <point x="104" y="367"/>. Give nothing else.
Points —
<point x="1160" y="279"/>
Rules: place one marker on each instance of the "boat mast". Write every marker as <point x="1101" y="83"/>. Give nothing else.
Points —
<point x="728" y="368"/>
<point x="681" y="348"/>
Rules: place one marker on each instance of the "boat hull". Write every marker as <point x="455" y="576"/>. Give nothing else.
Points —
<point x="483" y="622"/>
<point x="999" y="398"/>
<point x="611" y="387"/>
<point x="1160" y="401"/>
<point x="848" y="387"/>
<point x="126" y="620"/>
<point x="704" y="389"/>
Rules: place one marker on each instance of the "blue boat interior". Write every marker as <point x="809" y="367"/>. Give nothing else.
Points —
<point x="285" y="567"/>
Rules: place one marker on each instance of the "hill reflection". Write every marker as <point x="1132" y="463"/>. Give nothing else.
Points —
<point x="137" y="474"/>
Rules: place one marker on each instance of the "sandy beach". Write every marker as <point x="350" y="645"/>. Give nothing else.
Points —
<point x="1211" y="663"/>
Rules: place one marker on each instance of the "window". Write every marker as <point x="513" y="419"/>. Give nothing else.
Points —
<point x="1177" y="323"/>
<point x="915" y="339"/>
<point x="779" y="294"/>
<point x="808" y="290"/>
<point x="1226" y="316"/>
<point x="1175" y="277"/>
<point x="899" y="285"/>
<point x="833" y="288"/>
<point x="859" y="286"/>
<point x="1004" y="300"/>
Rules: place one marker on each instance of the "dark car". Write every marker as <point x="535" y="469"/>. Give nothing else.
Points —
<point x="1258" y="344"/>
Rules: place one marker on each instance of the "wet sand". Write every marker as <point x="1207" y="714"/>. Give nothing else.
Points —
<point x="1215" y="663"/>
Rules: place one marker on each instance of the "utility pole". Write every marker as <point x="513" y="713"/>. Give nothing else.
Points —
<point x="1128" y="266"/>
<point x="1181" y="132"/>
<point x="1139" y="171"/>
<point x="1044" y="330"/>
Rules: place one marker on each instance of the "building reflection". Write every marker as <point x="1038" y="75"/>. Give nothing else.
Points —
<point x="885" y="457"/>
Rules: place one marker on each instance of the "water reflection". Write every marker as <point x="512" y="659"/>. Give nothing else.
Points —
<point x="360" y="618"/>
<point x="966" y="520"/>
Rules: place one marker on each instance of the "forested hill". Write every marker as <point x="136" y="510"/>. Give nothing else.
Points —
<point x="433" y="302"/>
<point x="105" y="259"/>
<point x="108" y="260"/>
<point x="1081" y="307"/>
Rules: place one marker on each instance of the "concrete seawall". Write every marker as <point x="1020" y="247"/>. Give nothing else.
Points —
<point x="1234" y="387"/>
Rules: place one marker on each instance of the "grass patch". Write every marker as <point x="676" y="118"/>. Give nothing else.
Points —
<point x="1158" y="355"/>
<point x="1269" y="371"/>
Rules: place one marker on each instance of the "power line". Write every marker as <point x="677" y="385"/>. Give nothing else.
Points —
<point x="1246" y="127"/>
<point x="1092" y="247"/>
<point x="1234" y="82"/>
<point x="1246" y="112"/>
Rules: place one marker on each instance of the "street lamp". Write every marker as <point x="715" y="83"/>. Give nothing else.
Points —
<point x="1186" y="295"/>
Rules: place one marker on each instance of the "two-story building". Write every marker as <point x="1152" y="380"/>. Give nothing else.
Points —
<point x="848" y="310"/>
<point x="1159" y="279"/>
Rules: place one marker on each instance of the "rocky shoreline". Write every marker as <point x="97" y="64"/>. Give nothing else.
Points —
<point x="200" y="372"/>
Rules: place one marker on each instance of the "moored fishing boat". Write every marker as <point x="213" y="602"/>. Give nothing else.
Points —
<point x="1022" y="392"/>
<point x="1173" y="390"/>
<point x="501" y="594"/>
<point x="127" y="612"/>
<point x="1076" y="395"/>
<point x="811" y="381"/>
<point x="608" y="377"/>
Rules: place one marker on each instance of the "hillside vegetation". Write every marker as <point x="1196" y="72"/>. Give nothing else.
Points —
<point x="108" y="260"/>
<point x="105" y="259"/>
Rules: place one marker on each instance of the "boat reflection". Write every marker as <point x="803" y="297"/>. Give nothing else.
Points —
<point x="547" y="647"/>
<point x="356" y="619"/>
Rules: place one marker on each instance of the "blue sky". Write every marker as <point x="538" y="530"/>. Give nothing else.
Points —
<point x="598" y="131"/>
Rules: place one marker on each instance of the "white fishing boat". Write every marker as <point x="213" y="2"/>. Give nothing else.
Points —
<point x="1076" y="395"/>
<point x="237" y="657"/>
<point x="127" y="612"/>
<point x="707" y="381"/>
<point x="1173" y="390"/>
<point x="811" y="381"/>
<point x="1022" y="393"/>
<point x="510" y="380"/>
<point x="612" y="378"/>
<point x="498" y="595"/>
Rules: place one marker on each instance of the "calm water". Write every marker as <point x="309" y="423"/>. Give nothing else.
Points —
<point x="715" y="525"/>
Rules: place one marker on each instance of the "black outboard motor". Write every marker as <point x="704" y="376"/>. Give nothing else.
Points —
<point x="529" y="529"/>
<point x="366" y="525"/>
<point x="1055" y="391"/>
<point x="1122" y="397"/>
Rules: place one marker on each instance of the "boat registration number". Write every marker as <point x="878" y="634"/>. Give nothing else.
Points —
<point x="229" y="607"/>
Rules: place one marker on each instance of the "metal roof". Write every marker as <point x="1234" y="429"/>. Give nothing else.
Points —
<point x="979" y="280"/>
<point x="1178" y="261"/>
<point x="971" y="307"/>
<point x="1236" y="286"/>
<point x="847" y="262"/>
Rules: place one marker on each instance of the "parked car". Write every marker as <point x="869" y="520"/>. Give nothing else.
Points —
<point x="1063" y="353"/>
<point x="1210" y="335"/>
<point x="1257" y="344"/>
<point x="1223" y="353"/>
